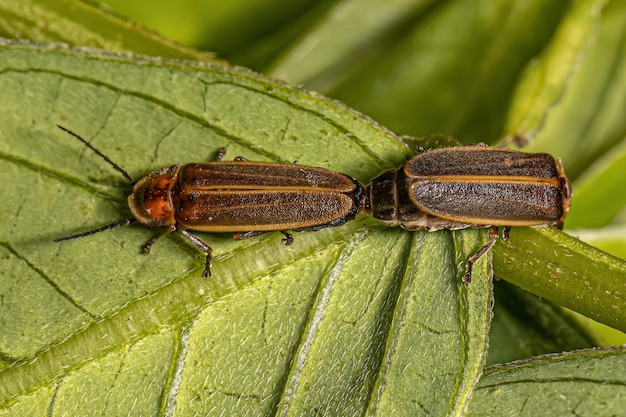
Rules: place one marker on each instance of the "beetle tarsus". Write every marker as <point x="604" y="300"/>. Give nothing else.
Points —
<point x="493" y="237"/>
<point x="206" y="274"/>
<point x="506" y="233"/>
<point x="467" y="277"/>
<point x="146" y="248"/>
<point x="220" y="154"/>
<point x="200" y="244"/>
<point x="288" y="239"/>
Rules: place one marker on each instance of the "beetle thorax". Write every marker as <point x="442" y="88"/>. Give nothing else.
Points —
<point x="152" y="199"/>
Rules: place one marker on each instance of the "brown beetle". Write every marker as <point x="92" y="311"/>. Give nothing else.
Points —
<point x="472" y="186"/>
<point x="240" y="197"/>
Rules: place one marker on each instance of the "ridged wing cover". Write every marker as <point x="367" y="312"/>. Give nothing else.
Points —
<point x="488" y="186"/>
<point x="243" y="196"/>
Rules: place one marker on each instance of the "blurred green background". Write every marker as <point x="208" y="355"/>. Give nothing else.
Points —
<point x="208" y="25"/>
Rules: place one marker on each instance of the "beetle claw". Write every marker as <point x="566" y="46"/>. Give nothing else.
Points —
<point x="467" y="277"/>
<point x="206" y="274"/>
<point x="288" y="239"/>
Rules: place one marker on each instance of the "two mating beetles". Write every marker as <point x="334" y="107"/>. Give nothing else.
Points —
<point x="448" y="188"/>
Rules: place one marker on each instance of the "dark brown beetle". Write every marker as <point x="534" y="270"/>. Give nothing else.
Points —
<point x="472" y="186"/>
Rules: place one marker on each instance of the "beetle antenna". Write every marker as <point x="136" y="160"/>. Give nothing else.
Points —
<point x="103" y="156"/>
<point x="125" y="222"/>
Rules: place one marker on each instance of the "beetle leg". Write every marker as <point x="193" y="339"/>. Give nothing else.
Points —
<point x="506" y="232"/>
<point x="220" y="154"/>
<point x="288" y="239"/>
<point x="147" y="246"/>
<point x="493" y="237"/>
<point x="199" y="243"/>
<point x="247" y="235"/>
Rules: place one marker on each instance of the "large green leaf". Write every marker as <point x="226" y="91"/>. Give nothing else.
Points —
<point x="586" y="382"/>
<point x="79" y="23"/>
<point x="323" y="324"/>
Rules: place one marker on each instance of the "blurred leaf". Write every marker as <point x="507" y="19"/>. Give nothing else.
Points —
<point x="544" y="81"/>
<point x="328" y="53"/>
<point x="587" y="123"/>
<point x="603" y="183"/>
<point x="454" y="69"/>
<point x="220" y="26"/>
<point x="81" y="23"/>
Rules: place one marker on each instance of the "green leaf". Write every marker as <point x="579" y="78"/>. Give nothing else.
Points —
<point x="587" y="382"/>
<point x="80" y="23"/>
<point x="324" y="323"/>
<point x="586" y="124"/>
<point x="611" y="239"/>
<point x="599" y="183"/>
<point x="525" y="326"/>
<point x="572" y="273"/>
<point x="453" y="70"/>
<point x="326" y="54"/>
<point x="224" y="27"/>
<point x="545" y="79"/>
